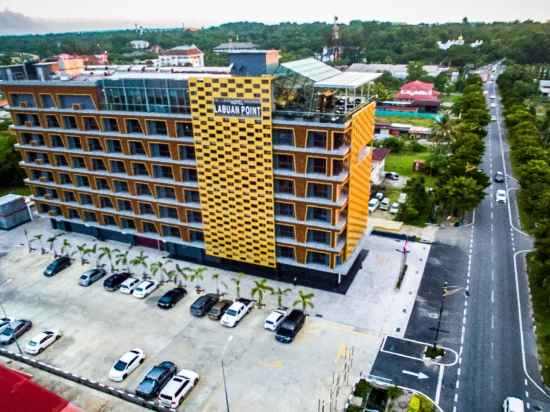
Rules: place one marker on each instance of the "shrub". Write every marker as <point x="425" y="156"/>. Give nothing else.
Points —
<point x="362" y="389"/>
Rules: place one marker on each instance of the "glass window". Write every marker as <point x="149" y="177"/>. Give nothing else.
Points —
<point x="284" y="137"/>
<point x="189" y="175"/>
<point x="340" y="140"/>
<point x="114" y="146"/>
<point x="94" y="145"/>
<point x="52" y="122"/>
<point x="117" y="166"/>
<point x="47" y="101"/>
<point x="318" y="258"/>
<point x="317" y="165"/>
<point x="105" y="203"/>
<point x="69" y="122"/>
<point x="76" y="102"/>
<point x="143" y="189"/>
<point x="124" y="205"/>
<point x="168" y="212"/>
<point x="162" y="172"/>
<point x="90" y="124"/>
<point x="110" y="124"/>
<point x="284" y="231"/>
<point x="318" y="236"/>
<point x="146" y="209"/>
<point x="98" y="164"/>
<point x="164" y="192"/>
<point x="139" y="169"/>
<point x="196" y="236"/>
<point x="319" y="214"/>
<point x="90" y="217"/>
<point x="61" y="160"/>
<point x="23" y="100"/>
<point x="285" y="252"/>
<point x="160" y="150"/>
<point x="73" y="214"/>
<point x="85" y="199"/>
<point x="65" y="179"/>
<point x="82" y="181"/>
<point x="157" y="127"/>
<point x="184" y="130"/>
<point x="192" y="196"/>
<point x="109" y="220"/>
<point x="102" y="184"/>
<point x="127" y="223"/>
<point x="319" y="190"/>
<point x="78" y="163"/>
<point x="283" y="162"/>
<point x="121" y="187"/>
<point x="133" y="126"/>
<point x="74" y="142"/>
<point x="284" y="209"/>
<point x="284" y="186"/>
<point x="70" y="197"/>
<point x="317" y="139"/>
<point x="56" y="140"/>
<point x="186" y="152"/>
<point x="136" y="148"/>
<point x="194" y="216"/>
<point x="170" y="231"/>
<point x="149" y="227"/>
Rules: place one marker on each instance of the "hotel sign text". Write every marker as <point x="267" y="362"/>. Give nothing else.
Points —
<point x="237" y="108"/>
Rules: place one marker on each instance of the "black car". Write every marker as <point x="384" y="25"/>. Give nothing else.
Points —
<point x="114" y="281"/>
<point x="57" y="266"/>
<point x="14" y="330"/>
<point x="287" y="331"/>
<point x="203" y="304"/>
<point x="219" y="309"/>
<point x="170" y="298"/>
<point x="155" y="379"/>
<point x="499" y="177"/>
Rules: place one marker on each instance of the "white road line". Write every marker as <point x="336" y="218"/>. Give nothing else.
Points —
<point x="525" y="382"/>
<point x="492" y="296"/>
<point x="456" y="397"/>
<point x="526" y="394"/>
<point x="439" y="384"/>
<point x="458" y="383"/>
<point x="458" y="371"/>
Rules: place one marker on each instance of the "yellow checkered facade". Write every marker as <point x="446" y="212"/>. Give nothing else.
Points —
<point x="235" y="170"/>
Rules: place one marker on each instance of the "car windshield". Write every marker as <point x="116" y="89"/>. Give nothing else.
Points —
<point x="165" y="299"/>
<point x="147" y="384"/>
<point x="8" y="331"/>
<point x="231" y="312"/>
<point x="32" y="343"/>
<point x="120" y="366"/>
<point x="284" y="332"/>
<point x="372" y="202"/>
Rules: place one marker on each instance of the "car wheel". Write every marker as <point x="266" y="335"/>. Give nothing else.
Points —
<point x="124" y="376"/>
<point x="141" y="361"/>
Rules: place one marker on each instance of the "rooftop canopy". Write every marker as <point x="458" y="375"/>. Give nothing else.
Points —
<point x="311" y="68"/>
<point x="347" y="80"/>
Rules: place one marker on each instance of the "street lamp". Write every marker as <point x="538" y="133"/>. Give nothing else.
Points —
<point x="6" y="282"/>
<point x="229" y="339"/>
<point x="443" y="294"/>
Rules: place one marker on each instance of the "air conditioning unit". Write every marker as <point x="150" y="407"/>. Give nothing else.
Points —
<point x="48" y="196"/>
<point x="43" y="178"/>
<point x="39" y="161"/>
<point x="53" y="212"/>
<point x="33" y="142"/>
<point x="28" y="124"/>
<point x="23" y="104"/>
<point x="77" y="106"/>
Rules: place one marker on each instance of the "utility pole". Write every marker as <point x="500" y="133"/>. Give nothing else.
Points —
<point x="7" y="281"/>
<point x="229" y="339"/>
<point x="437" y="329"/>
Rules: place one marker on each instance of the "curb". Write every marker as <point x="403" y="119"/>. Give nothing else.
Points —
<point x="119" y="393"/>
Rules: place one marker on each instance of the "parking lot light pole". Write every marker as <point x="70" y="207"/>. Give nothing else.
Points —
<point x="6" y="282"/>
<point x="229" y="339"/>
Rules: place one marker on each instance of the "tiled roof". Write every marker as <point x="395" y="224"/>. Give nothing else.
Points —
<point x="380" y="153"/>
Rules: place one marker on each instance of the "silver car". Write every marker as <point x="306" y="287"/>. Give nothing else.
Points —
<point x="14" y="330"/>
<point x="91" y="276"/>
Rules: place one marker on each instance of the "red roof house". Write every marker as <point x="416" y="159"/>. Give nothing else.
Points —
<point x="420" y="94"/>
<point x="18" y="393"/>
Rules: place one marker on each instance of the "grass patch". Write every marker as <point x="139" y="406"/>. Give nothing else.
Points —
<point x="402" y="163"/>
<point x="415" y="121"/>
<point x="433" y="353"/>
<point x="18" y="190"/>
<point x="541" y="311"/>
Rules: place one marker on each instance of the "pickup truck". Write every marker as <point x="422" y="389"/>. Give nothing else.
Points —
<point x="236" y="312"/>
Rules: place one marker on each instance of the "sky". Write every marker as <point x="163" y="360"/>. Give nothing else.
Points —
<point x="205" y="12"/>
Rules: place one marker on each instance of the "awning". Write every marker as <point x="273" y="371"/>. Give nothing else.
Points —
<point x="311" y="68"/>
<point x="347" y="80"/>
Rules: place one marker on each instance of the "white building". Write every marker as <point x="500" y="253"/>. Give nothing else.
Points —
<point x="398" y="71"/>
<point x="190" y="56"/>
<point x="544" y="87"/>
<point x="378" y="165"/>
<point x="139" y="44"/>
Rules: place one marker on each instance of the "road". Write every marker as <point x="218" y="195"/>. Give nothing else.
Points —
<point x="486" y="316"/>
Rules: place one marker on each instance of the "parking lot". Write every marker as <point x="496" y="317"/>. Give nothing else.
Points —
<point x="99" y="326"/>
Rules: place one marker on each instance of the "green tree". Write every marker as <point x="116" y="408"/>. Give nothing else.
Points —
<point x="121" y="259"/>
<point x="460" y="195"/>
<point x="140" y="261"/>
<point x="304" y="300"/>
<point x="415" y="70"/>
<point x="260" y="289"/>
<point x="65" y="247"/>
<point x="156" y="269"/>
<point x="182" y="277"/>
<point x="419" y="204"/>
<point x="197" y="274"/>
<point x="280" y="293"/>
<point x="107" y="252"/>
<point x="237" y="281"/>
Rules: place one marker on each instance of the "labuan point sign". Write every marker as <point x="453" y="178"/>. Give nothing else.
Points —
<point x="237" y="108"/>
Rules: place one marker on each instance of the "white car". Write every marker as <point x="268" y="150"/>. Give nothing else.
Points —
<point x="128" y="286"/>
<point x="177" y="388"/>
<point x="512" y="404"/>
<point x="379" y="196"/>
<point x="373" y="204"/>
<point x="493" y="105"/>
<point x="394" y="208"/>
<point x="493" y="118"/>
<point x="385" y="203"/>
<point x="493" y="97"/>
<point x="126" y="365"/>
<point x="42" y="341"/>
<point x="274" y="319"/>
<point x="236" y="312"/>
<point x="145" y="288"/>
<point x="402" y="198"/>
<point x="501" y="196"/>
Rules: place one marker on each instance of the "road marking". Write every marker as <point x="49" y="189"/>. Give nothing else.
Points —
<point x="439" y="384"/>
<point x="458" y="371"/>
<point x="418" y="375"/>
<point x="492" y="320"/>
<point x="492" y="296"/>
<point x="456" y="397"/>
<point x="525" y="382"/>
<point x="492" y="215"/>
<point x="457" y="384"/>
<point x="526" y="394"/>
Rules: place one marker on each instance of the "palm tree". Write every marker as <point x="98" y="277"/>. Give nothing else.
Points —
<point x="280" y="292"/>
<point x="216" y="278"/>
<point x="65" y="247"/>
<point x="442" y="131"/>
<point x="167" y="275"/>
<point x="121" y="259"/>
<point x="237" y="281"/>
<point x="259" y="289"/>
<point x="51" y="241"/>
<point x="181" y="277"/>
<point x="304" y="300"/>
<point x="155" y="268"/>
<point x="27" y="240"/>
<point x="140" y="260"/>
<point x="83" y="250"/>
<point x="106" y="251"/>
<point x="197" y="274"/>
<point x="39" y="238"/>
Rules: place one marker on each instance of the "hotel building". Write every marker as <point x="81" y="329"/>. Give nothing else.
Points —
<point x="266" y="173"/>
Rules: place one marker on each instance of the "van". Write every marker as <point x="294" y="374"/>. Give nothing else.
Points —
<point x="287" y="331"/>
<point x="513" y="405"/>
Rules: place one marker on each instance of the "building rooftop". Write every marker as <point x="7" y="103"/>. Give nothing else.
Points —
<point x="185" y="50"/>
<point x="232" y="46"/>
